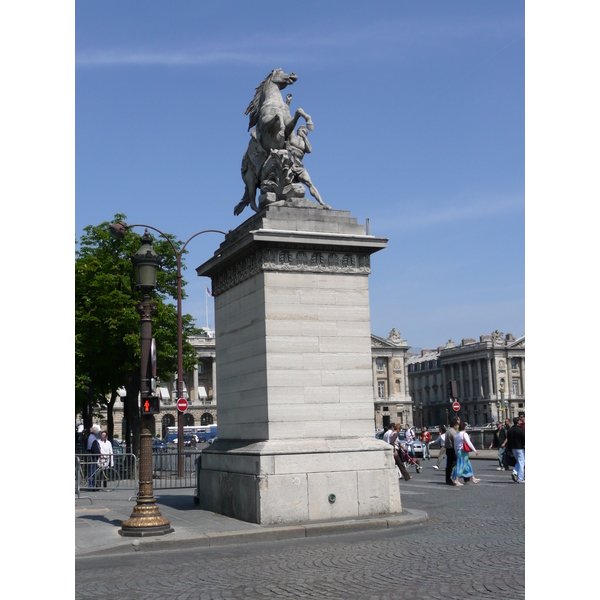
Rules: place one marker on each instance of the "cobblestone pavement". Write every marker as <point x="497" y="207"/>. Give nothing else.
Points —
<point x="472" y="547"/>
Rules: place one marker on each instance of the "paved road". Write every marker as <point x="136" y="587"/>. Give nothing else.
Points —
<point x="472" y="547"/>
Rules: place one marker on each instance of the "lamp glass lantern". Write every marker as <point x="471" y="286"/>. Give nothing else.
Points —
<point x="145" y="264"/>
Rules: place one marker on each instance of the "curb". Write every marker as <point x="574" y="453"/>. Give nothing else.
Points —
<point x="261" y="534"/>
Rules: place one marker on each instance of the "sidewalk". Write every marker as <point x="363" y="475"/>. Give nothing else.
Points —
<point x="99" y="515"/>
<point x="98" y="521"/>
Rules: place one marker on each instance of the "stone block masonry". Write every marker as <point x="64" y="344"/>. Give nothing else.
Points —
<point x="294" y="372"/>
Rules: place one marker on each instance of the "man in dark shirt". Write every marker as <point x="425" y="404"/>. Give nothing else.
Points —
<point x="499" y="442"/>
<point x="516" y="444"/>
<point x="450" y="452"/>
<point x="94" y="450"/>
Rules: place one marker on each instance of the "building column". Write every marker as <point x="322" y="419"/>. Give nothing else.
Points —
<point x="443" y="392"/>
<point x="214" y="379"/>
<point x="523" y="377"/>
<point x="390" y="375"/>
<point x="509" y="376"/>
<point x="461" y="381"/>
<point x="471" y="389"/>
<point x="375" y="388"/>
<point x="480" y="380"/>
<point x="490" y="380"/>
<point x="196" y="397"/>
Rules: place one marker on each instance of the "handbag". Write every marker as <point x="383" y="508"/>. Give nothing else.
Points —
<point x="466" y="447"/>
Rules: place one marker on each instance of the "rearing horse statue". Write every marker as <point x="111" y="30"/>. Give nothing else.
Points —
<point x="274" y="123"/>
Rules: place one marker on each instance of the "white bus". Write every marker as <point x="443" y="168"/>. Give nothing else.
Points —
<point x="207" y="432"/>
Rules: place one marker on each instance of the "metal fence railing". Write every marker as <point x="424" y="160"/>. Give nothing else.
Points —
<point x="165" y="472"/>
<point x="93" y="472"/>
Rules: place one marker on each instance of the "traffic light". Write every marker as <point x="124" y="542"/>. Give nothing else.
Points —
<point x="151" y="405"/>
<point x="452" y="389"/>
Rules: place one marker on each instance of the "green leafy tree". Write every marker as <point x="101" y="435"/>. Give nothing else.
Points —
<point x="107" y="324"/>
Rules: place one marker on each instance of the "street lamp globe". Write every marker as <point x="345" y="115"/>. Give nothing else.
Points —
<point x="145" y="264"/>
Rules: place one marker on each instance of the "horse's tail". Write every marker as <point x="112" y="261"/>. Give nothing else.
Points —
<point x="241" y="205"/>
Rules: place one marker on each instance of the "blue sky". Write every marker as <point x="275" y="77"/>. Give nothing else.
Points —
<point x="419" y="113"/>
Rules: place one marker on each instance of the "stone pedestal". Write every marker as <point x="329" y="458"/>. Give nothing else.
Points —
<point x="293" y="353"/>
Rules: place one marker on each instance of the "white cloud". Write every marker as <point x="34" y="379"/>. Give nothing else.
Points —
<point x="453" y="211"/>
<point x="384" y="39"/>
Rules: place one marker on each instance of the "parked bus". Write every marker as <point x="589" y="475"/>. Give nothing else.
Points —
<point x="208" y="432"/>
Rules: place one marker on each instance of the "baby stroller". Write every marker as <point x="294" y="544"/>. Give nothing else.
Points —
<point x="409" y="461"/>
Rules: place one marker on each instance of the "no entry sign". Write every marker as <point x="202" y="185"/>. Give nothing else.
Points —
<point x="182" y="404"/>
<point x="455" y="406"/>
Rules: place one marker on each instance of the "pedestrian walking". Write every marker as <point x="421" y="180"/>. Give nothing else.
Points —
<point x="462" y="446"/>
<point x="410" y="440"/>
<point x="387" y="436"/>
<point x="93" y="448"/>
<point x="516" y="444"/>
<point x="425" y="439"/>
<point x="398" y="449"/>
<point x="499" y="442"/>
<point x="508" y="459"/>
<point x="440" y="441"/>
<point x="450" y="454"/>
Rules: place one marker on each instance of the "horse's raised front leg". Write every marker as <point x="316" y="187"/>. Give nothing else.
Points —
<point x="291" y="125"/>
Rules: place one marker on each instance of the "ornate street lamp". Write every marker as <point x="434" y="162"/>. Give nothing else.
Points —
<point x="145" y="520"/>
<point x="119" y="230"/>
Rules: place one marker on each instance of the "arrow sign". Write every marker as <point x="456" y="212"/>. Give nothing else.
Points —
<point x="182" y="404"/>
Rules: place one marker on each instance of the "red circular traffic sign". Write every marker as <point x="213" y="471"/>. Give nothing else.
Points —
<point x="182" y="405"/>
<point x="455" y="406"/>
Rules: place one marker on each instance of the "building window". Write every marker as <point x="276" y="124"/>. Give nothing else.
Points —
<point x="513" y="364"/>
<point x="516" y="388"/>
<point x="200" y="368"/>
<point x="380" y="364"/>
<point x="381" y="389"/>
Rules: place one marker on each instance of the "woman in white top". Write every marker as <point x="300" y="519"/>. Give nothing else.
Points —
<point x="462" y="446"/>
<point x="107" y="450"/>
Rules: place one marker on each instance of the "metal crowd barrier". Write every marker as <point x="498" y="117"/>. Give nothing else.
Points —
<point x="96" y="473"/>
<point x="93" y="473"/>
<point x="165" y="469"/>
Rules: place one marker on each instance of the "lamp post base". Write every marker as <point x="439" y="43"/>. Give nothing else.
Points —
<point x="145" y="521"/>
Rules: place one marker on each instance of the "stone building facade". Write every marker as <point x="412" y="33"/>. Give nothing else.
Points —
<point x="426" y="388"/>
<point x="391" y="398"/>
<point x="489" y="375"/>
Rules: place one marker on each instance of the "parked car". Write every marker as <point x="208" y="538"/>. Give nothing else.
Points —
<point x="159" y="445"/>
<point x="212" y="440"/>
<point x="117" y="448"/>
<point x="189" y="439"/>
<point x="418" y="445"/>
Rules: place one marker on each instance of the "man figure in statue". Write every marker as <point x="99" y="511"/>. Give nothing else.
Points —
<point x="298" y="145"/>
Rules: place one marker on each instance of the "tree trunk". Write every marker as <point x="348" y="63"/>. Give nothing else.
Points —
<point x="110" y="425"/>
